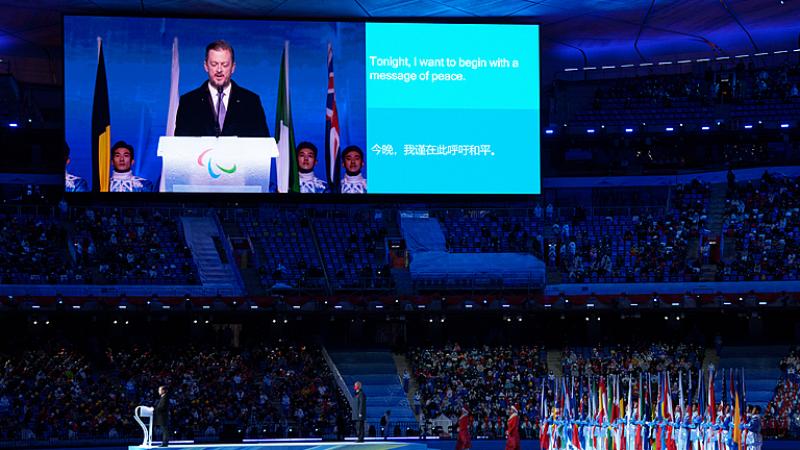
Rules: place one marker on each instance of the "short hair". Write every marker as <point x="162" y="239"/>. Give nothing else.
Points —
<point x="164" y="387"/>
<point x="121" y="144"/>
<point x="308" y="145"/>
<point x="353" y="148"/>
<point x="220" y="45"/>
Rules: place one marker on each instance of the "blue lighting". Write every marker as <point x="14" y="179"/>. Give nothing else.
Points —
<point x="748" y="127"/>
<point x="670" y="129"/>
<point x="705" y="128"/>
<point x="629" y="130"/>
<point x="548" y="131"/>
<point x="784" y="125"/>
<point x="590" y="130"/>
<point x="13" y="125"/>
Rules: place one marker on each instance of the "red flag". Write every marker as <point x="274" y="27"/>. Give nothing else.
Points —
<point x="712" y="401"/>
<point x="576" y="441"/>
<point x="737" y="417"/>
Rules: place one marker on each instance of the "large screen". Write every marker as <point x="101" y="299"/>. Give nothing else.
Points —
<point x="202" y="105"/>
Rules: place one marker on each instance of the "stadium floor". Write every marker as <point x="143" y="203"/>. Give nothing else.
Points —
<point x="433" y="444"/>
<point x="374" y="445"/>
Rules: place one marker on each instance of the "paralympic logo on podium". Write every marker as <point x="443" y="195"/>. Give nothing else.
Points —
<point x="211" y="165"/>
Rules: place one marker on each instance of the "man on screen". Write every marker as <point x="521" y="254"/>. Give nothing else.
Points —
<point x="353" y="162"/>
<point x="122" y="179"/>
<point x="72" y="183"/>
<point x="306" y="161"/>
<point x="220" y="107"/>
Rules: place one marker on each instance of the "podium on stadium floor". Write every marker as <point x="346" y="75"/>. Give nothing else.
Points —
<point x="145" y="412"/>
<point x="216" y="164"/>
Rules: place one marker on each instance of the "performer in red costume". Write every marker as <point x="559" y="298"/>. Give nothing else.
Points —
<point x="464" y="441"/>
<point x="512" y="429"/>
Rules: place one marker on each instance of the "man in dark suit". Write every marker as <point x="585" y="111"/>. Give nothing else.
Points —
<point x="220" y="107"/>
<point x="161" y="415"/>
<point x="360" y="411"/>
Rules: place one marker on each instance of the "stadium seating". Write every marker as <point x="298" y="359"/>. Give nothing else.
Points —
<point x="285" y="251"/>
<point x="767" y="94"/>
<point x="490" y="231"/>
<point x="132" y="247"/>
<point x="782" y="414"/>
<point x="262" y="390"/>
<point x="632" y="360"/>
<point x="353" y="250"/>
<point x="762" y="226"/>
<point x="33" y="250"/>
<point x="488" y="380"/>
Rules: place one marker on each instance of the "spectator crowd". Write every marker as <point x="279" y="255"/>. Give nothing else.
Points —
<point x="67" y="393"/>
<point x="782" y="416"/>
<point x="486" y="379"/>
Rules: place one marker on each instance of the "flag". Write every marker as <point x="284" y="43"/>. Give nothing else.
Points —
<point x="610" y="402"/>
<point x="670" y="410"/>
<point x="743" y="393"/>
<point x="174" y="98"/>
<point x="701" y="393"/>
<point x="572" y="401"/>
<point x="712" y="401"/>
<point x="737" y="432"/>
<point x="640" y="415"/>
<point x="662" y="395"/>
<point x="601" y="400"/>
<point x="542" y="404"/>
<point x="681" y="405"/>
<point x="630" y="400"/>
<point x="725" y="400"/>
<point x="615" y="408"/>
<point x="331" y="130"/>
<point x="649" y="400"/>
<point x="284" y="131"/>
<point x="101" y="127"/>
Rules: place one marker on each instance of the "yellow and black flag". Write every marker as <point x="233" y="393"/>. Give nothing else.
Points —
<point x="101" y="127"/>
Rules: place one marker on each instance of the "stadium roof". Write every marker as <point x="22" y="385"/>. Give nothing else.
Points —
<point x="574" y="32"/>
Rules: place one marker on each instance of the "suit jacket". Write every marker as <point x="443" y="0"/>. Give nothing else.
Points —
<point x="360" y="407"/>
<point x="244" y="116"/>
<point x="161" y="411"/>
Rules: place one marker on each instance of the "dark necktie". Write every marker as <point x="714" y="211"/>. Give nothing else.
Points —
<point x="220" y="109"/>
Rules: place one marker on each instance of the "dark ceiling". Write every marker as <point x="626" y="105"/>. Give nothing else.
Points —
<point x="574" y="32"/>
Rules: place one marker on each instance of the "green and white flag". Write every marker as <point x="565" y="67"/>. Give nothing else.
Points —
<point x="284" y="131"/>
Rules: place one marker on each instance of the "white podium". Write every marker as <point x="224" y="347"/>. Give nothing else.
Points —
<point x="145" y="412"/>
<point x="216" y="164"/>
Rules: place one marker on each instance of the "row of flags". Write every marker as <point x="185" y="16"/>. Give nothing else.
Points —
<point x="287" y="174"/>
<point x="603" y="398"/>
<point x="615" y="402"/>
